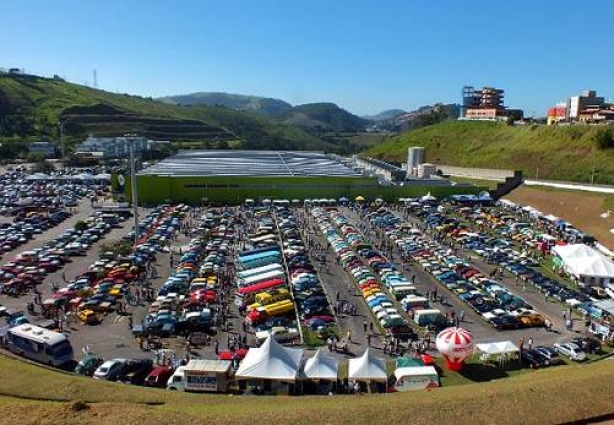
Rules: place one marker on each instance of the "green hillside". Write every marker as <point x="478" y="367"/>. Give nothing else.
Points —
<point x="566" y="394"/>
<point x="263" y="105"/>
<point x="321" y="118"/>
<point x="560" y="152"/>
<point x="31" y="106"/>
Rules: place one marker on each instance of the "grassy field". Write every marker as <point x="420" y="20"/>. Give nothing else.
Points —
<point x="562" y="153"/>
<point x="490" y="184"/>
<point x="30" y="395"/>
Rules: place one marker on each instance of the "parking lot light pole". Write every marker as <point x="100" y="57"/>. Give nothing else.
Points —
<point x="62" y="148"/>
<point x="130" y="138"/>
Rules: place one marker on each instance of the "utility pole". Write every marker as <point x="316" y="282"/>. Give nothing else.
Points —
<point x="62" y="149"/>
<point x="130" y="138"/>
<point x="537" y="169"/>
<point x="593" y="174"/>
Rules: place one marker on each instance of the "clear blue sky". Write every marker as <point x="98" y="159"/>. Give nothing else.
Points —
<point x="364" y="55"/>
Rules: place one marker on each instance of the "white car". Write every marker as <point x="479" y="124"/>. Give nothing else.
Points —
<point x="571" y="350"/>
<point x="281" y="334"/>
<point x="110" y="369"/>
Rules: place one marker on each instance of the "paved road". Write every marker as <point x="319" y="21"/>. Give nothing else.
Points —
<point x="336" y="280"/>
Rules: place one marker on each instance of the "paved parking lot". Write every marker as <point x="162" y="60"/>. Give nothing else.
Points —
<point x="112" y="338"/>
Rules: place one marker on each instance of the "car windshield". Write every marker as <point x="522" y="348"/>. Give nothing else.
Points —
<point x="62" y="349"/>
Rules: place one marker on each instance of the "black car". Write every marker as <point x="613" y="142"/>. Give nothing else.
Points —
<point x="588" y="344"/>
<point x="533" y="358"/>
<point x="505" y="322"/>
<point x="136" y="371"/>
<point x="550" y="354"/>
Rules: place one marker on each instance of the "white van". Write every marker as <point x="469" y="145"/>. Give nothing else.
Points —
<point x="177" y="381"/>
<point x="427" y="317"/>
<point x="402" y="290"/>
<point x="412" y="302"/>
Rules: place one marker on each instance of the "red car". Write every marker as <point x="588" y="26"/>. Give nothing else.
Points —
<point x="48" y="267"/>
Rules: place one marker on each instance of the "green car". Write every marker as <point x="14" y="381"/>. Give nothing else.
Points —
<point x="88" y="365"/>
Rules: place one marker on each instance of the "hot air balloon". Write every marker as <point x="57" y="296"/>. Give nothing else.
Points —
<point x="455" y="344"/>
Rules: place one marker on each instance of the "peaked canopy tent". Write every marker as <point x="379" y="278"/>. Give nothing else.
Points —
<point x="428" y="198"/>
<point x="271" y="361"/>
<point x="502" y="347"/>
<point x="321" y="366"/>
<point x="416" y="378"/>
<point x="585" y="264"/>
<point x="367" y="368"/>
<point x="501" y="351"/>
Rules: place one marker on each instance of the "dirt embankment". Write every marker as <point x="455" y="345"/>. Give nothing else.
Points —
<point x="582" y="209"/>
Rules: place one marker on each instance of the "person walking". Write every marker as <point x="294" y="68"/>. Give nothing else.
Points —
<point x="530" y="343"/>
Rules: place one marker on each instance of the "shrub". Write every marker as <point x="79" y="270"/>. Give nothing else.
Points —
<point x="604" y="138"/>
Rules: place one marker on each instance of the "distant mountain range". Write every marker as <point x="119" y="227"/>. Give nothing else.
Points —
<point x="315" y="118"/>
<point x="385" y="115"/>
<point x="399" y="121"/>
<point x="262" y="105"/>
<point x="322" y="118"/>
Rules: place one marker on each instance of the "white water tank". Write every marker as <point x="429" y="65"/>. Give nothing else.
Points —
<point x="415" y="157"/>
<point x="426" y="170"/>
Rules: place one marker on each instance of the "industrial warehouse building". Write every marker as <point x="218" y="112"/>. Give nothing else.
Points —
<point x="231" y="176"/>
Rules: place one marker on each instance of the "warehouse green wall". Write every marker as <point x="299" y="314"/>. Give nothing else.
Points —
<point x="154" y="189"/>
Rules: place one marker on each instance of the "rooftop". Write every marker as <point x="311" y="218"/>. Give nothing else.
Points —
<point x="250" y="163"/>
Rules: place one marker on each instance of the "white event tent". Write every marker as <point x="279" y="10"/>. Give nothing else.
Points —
<point x="322" y="366"/>
<point x="367" y="368"/>
<point x="585" y="264"/>
<point x="271" y="361"/>
<point x="502" y="347"/>
<point x="502" y="350"/>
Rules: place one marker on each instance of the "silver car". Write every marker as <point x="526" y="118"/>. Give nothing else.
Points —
<point x="571" y="350"/>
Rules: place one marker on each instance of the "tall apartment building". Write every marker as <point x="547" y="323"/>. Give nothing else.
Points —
<point x="486" y="103"/>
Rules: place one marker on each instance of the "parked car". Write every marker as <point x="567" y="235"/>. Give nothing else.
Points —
<point x="89" y="317"/>
<point x="135" y="371"/>
<point x="549" y="353"/>
<point x="88" y="365"/>
<point x="159" y="376"/>
<point x="111" y="369"/>
<point x="571" y="350"/>
<point x="588" y="344"/>
<point x="533" y="358"/>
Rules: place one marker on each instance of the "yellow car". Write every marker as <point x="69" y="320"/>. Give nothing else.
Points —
<point x="88" y="316"/>
<point x="532" y="320"/>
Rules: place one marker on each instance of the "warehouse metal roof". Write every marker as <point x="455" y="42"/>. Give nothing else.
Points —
<point x="250" y="163"/>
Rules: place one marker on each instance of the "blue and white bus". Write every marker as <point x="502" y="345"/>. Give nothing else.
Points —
<point x="39" y="344"/>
